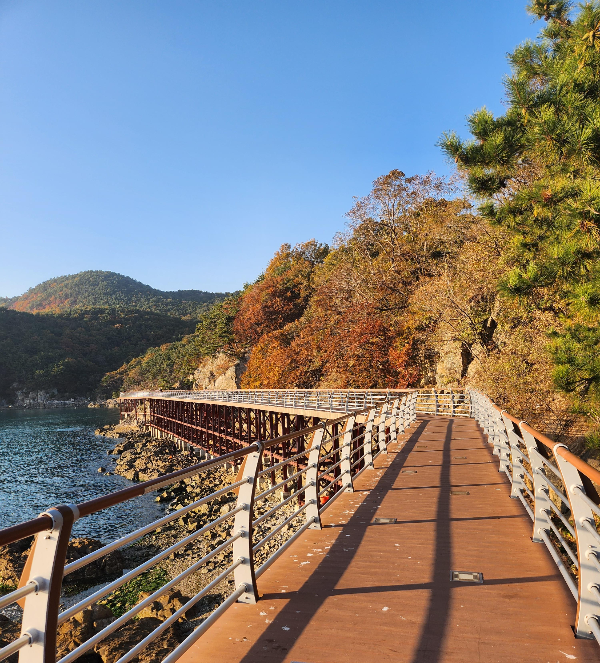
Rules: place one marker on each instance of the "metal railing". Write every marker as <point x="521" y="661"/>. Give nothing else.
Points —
<point x="324" y="400"/>
<point x="277" y="500"/>
<point x="559" y="492"/>
<point x="443" y="402"/>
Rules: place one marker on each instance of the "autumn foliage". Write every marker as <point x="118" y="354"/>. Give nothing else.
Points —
<point x="341" y="318"/>
<point x="281" y="294"/>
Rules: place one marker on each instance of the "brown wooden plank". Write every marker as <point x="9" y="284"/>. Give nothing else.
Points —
<point x="359" y="592"/>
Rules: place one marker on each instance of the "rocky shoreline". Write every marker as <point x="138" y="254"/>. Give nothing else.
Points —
<point x="138" y="457"/>
<point x="33" y="402"/>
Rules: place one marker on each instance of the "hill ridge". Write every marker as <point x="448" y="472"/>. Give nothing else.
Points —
<point x="107" y="289"/>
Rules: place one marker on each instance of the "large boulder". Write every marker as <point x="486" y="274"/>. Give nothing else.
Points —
<point x="109" y="566"/>
<point x="81" y="628"/>
<point x="121" y="641"/>
<point x="164" y="606"/>
<point x="75" y="632"/>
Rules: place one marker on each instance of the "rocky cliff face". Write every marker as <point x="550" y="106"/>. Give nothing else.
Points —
<point x="219" y="372"/>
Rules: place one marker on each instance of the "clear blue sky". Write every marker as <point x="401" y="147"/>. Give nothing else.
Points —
<point x="181" y="142"/>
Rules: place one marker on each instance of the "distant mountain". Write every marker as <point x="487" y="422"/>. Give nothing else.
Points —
<point x="66" y="333"/>
<point x="99" y="289"/>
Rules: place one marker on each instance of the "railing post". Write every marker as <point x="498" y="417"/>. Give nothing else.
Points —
<point x="413" y="408"/>
<point x="518" y="478"/>
<point x="501" y="439"/>
<point x="368" y="440"/>
<point x="478" y="410"/>
<point x="409" y="399"/>
<point x="381" y="428"/>
<point x="541" y="503"/>
<point x="346" y="451"/>
<point x="242" y="547"/>
<point x="401" y="416"/>
<point x="40" y="611"/>
<point x="393" y="425"/>
<point x="588" y="550"/>
<point x="406" y="412"/>
<point x="435" y="396"/>
<point x="451" y="403"/>
<point x="312" y="480"/>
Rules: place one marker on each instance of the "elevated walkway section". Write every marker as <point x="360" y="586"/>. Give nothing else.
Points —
<point x="368" y="589"/>
<point x="321" y="403"/>
<point x="385" y="533"/>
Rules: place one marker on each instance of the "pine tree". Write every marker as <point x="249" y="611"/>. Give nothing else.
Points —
<point x="536" y="172"/>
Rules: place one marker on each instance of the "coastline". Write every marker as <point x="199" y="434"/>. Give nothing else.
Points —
<point x="138" y="457"/>
<point x="53" y="404"/>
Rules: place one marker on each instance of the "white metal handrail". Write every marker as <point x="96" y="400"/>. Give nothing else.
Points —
<point x="326" y="468"/>
<point x="324" y="400"/>
<point x="525" y="456"/>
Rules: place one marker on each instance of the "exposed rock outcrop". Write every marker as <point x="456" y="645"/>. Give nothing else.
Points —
<point x="219" y="372"/>
<point x="109" y="402"/>
<point x="123" y="428"/>
<point x="46" y="399"/>
<point x="150" y="458"/>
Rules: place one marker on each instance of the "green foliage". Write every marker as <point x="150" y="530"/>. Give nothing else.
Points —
<point x="577" y="358"/>
<point x="536" y="170"/>
<point x="128" y="595"/>
<point x="70" y="352"/>
<point x="98" y="289"/>
<point x="592" y="440"/>
<point x="171" y="365"/>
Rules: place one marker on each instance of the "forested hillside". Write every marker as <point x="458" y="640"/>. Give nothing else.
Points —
<point x="411" y="279"/>
<point x="172" y="364"/>
<point x="71" y="352"/>
<point x="490" y="279"/>
<point x="67" y="333"/>
<point x="98" y="289"/>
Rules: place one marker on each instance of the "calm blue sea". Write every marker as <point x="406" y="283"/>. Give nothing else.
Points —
<point x="50" y="457"/>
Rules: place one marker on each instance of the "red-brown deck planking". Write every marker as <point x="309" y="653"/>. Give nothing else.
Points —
<point x="356" y="592"/>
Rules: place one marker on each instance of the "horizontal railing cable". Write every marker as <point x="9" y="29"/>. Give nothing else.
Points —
<point x="302" y="487"/>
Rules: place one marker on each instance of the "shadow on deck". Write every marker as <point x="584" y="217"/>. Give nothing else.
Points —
<point x="357" y="591"/>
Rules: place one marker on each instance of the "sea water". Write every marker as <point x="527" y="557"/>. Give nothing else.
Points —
<point x="51" y="457"/>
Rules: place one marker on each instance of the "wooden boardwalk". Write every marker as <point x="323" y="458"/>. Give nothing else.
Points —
<point x="358" y="592"/>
